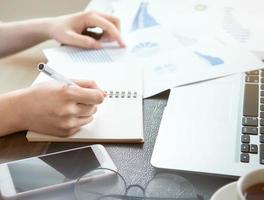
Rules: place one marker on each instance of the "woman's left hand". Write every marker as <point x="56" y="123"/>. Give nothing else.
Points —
<point x="68" y="29"/>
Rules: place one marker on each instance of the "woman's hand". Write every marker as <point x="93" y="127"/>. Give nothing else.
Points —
<point x="68" y="29"/>
<point x="58" y="110"/>
<point x="16" y="36"/>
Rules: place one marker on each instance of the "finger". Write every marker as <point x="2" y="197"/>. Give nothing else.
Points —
<point x="69" y="132"/>
<point x="86" y="84"/>
<point x="86" y="95"/>
<point x="72" y="131"/>
<point x="83" y="110"/>
<point x="107" y="37"/>
<point x="61" y="132"/>
<point x="112" y="19"/>
<point x="106" y="26"/>
<point x="79" y="40"/>
<point x="82" y="121"/>
<point x="73" y="125"/>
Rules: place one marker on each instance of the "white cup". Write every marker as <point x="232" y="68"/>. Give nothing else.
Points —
<point x="249" y="179"/>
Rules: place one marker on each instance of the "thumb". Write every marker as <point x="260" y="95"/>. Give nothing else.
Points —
<point x="79" y="40"/>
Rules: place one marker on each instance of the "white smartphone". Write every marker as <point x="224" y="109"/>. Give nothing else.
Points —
<point x="51" y="171"/>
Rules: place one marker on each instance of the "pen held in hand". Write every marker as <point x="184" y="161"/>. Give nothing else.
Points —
<point x="55" y="75"/>
<point x="42" y="67"/>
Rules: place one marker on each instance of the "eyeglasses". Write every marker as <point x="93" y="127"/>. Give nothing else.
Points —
<point x="107" y="184"/>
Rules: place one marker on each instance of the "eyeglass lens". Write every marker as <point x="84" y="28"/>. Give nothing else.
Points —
<point x="104" y="184"/>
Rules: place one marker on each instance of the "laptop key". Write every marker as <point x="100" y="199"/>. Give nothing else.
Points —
<point x="245" y="138"/>
<point x="261" y="153"/>
<point x="262" y="73"/>
<point x="254" y="148"/>
<point x="262" y="86"/>
<point x="261" y="138"/>
<point x="250" y="121"/>
<point x="261" y="122"/>
<point x="262" y="107"/>
<point x="245" y="148"/>
<point x="252" y="79"/>
<point x="251" y="96"/>
<point x="249" y="130"/>
<point x="262" y="93"/>
<point x="261" y="130"/>
<point x="255" y="72"/>
<point x="261" y="114"/>
<point x="244" y="157"/>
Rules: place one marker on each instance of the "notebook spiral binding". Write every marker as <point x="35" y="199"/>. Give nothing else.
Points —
<point x="121" y="94"/>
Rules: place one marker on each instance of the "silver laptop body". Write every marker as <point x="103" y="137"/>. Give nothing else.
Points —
<point x="204" y="124"/>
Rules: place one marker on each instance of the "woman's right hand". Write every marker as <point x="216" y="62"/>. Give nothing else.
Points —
<point x="53" y="109"/>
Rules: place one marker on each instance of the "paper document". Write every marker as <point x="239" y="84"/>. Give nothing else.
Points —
<point x="168" y="60"/>
<point x="119" y="118"/>
<point x="239" y="19"/>
<point x="197" y="60"/>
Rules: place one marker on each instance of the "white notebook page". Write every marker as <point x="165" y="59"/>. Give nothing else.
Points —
<point x="119" y="118"/>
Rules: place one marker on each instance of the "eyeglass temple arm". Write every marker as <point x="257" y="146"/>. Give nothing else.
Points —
<point x="125" y="197"/>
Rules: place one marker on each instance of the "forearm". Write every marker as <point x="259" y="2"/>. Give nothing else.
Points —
<point x="17" y="36"/>
<point x="11" y="119"/>
<point x="68" y="29"/>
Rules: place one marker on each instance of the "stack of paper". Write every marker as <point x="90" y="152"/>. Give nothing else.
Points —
<point x="167" y="61"/>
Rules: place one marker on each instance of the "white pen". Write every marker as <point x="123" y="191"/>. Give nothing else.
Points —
<point x="55" y="75"/>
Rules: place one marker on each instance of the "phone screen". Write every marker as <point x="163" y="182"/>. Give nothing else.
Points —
<point x="52" y="169"/>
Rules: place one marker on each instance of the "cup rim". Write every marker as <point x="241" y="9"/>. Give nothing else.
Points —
<point x="242" y="179"/>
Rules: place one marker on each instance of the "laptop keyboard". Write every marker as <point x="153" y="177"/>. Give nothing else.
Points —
<point x="253" y="117"/>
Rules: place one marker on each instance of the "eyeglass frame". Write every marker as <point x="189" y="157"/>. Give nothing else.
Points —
<point x="143" y="189"/>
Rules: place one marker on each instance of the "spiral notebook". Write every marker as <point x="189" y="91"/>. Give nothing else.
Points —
<point x="119" y="118"/>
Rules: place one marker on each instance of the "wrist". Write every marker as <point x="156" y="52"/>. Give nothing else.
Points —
<point x="51" y="26"/>
<point x="12" y="105"/>
<point x="22" y="102"/>
<point x="43" y="27"/>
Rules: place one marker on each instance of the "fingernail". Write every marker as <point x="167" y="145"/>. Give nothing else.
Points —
<point x="122" y="44"/>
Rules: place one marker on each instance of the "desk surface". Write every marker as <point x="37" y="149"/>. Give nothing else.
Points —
<point x="132" y="160"/>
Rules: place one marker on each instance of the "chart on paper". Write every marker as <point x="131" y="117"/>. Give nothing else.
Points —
<point x="143" y="18"/>
<point x="145" y="49"/>
<point x="233" y="27"/>
<point x="212" y="60"/>
<point x="166" y="62"/>
<point x="141" y="44"/>
<point x="165" y="68"/>
<point x="78" y="55"/>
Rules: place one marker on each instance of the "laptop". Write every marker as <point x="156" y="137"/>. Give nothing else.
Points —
<point x="214" y="127"/>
